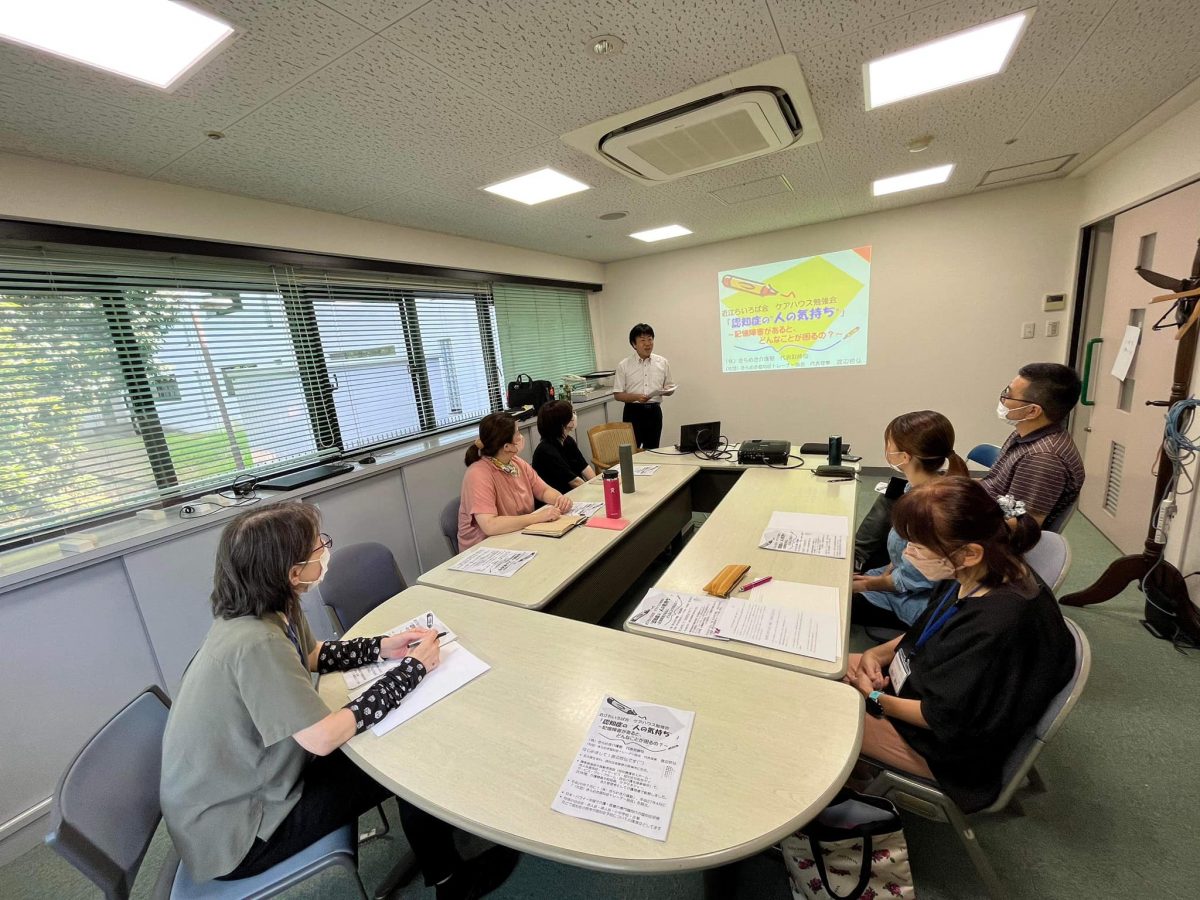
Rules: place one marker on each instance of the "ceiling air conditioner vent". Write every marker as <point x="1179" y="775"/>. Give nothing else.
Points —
<point x="750" y="113"/>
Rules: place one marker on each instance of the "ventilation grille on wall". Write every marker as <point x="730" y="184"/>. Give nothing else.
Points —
<point x="1112" y="485"/>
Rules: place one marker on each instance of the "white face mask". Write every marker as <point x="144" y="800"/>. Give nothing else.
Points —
<point x="888" y="459"/>
<point x="933" y="569"/>
<point x="1002" y="412"/>
<point x="323" y="559"/>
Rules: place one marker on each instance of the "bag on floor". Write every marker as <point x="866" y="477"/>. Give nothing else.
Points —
<point x="854" y="849"/>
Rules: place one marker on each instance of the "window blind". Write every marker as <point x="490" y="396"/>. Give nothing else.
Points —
<point x="545" y="333"/>
<point x="134" y="379"/>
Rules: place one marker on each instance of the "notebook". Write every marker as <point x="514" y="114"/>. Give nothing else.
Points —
<point x="555" y="529"/>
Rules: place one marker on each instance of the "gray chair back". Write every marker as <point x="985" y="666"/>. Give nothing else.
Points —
<point x="106" y="807"/>
<point x="360" y="577"/>
<point x="1021" y="760"/>
<point x="1059" y="523"/>
<point x="984" y="454"/>
<point x="1051" y="559"/>
<point x="449" y="523"/>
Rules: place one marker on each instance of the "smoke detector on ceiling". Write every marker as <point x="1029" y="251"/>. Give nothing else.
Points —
<point x="753" y="112"/>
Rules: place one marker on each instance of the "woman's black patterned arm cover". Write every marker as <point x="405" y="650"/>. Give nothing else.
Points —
<point x="338" y="656"/>
<point x="385" y="694"/>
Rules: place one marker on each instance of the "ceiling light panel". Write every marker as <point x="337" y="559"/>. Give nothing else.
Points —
<point x="955" y="59"/>
<point x="153" y="41"/>
<point x="923" y="178"/>
<point x="661" y="234"/>
<point x="538" y="187"/>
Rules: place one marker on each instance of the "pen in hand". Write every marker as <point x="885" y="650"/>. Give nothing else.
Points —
<point x="411" y="644"/>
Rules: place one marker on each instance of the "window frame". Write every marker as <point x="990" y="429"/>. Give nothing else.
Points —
<point x="304" y="336"/>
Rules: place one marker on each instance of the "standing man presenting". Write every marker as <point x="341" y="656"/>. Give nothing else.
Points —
<point x="641" y="382"/>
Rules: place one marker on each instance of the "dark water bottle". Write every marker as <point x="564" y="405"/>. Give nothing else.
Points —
<point x="835" y="449"/>
<point x="625" y="452"/>
<point x="612" y="494"/>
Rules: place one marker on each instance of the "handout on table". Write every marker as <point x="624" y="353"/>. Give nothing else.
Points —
<point x="494" y="561"/>
<point x="456" y="667"/>
<point x="364" y="675"/>
<point x="627" y="772"/>
<point x="809" y="533"/>
<point x="644" y="470"/>
<point x="587" y="508"/>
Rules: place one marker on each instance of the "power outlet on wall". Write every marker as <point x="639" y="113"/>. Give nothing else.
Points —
<point x="1052" y="328"/>
<point x="1028" y="330"/>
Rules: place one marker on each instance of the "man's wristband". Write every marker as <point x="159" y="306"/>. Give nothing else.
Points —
<point x="875" y="704"/>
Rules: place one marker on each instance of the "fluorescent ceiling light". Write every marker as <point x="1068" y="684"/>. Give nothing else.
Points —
<point x="661" y="234"/>
<point x="965" y="56"/>
<point x="153" y="41"/>
<point x="538" y="187"/>
<point x="923" y="178"/>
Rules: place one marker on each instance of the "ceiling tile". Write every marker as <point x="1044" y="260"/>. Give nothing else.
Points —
<point x="278" y="43"/>
<point x="70" y="129"/>
<point x="535" y="57"/>
<point x="375" y="14"/>
<point x="375" y="122"/>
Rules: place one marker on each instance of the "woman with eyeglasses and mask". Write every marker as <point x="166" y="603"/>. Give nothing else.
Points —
<point x="250" y="775"/>
<point x="917" y="445"/>
<point x="557" y="458"/>
<point x="950" y="698"/>
<point x="499" y="488"/>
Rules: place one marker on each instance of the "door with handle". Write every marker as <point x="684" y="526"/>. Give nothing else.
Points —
<point x="1122" y="434"/>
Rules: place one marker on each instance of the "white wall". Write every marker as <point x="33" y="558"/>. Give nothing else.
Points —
<point x="951" y="283"/>
<point x="55" y="192"/>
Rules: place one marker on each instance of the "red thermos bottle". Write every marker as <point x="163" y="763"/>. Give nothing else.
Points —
<point x="612" y="494"/>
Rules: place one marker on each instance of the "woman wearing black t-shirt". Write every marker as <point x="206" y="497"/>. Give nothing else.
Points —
<point x="557" y="458"/>
<point x="950" y="698"/>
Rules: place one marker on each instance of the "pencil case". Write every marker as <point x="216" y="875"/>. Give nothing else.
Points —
<point x="726" y="580"/>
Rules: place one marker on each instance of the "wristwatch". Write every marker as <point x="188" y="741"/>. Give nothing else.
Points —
<point x="874" y="707"/>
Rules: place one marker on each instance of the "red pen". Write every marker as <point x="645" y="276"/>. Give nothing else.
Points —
<point x="753" y="584"/>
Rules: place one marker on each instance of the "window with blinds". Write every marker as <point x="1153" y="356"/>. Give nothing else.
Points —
<point x="138" y="379"/>
<point x="543" y="333"/>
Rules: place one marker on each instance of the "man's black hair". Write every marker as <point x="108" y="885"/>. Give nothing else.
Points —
<point x="638" y="330"/>
<point x="1052" y="386"/>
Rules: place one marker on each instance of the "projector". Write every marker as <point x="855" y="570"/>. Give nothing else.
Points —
<point x="771" y="452"/>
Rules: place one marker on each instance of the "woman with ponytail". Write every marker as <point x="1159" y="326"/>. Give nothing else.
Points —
<point x="500" y="489"/>
<point x="917" y="445"/>
<point x="950" y="698"/>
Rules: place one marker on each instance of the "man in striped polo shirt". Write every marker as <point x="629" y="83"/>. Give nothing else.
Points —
<point x="1039" y="463"/>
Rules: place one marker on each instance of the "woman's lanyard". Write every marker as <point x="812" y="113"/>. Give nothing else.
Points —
<point x="295" y="639"/>
<point x="939" y="618"/>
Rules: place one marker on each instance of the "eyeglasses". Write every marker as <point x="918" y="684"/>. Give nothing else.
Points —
<point x="326" y="541"/>
<point x="1005" y="395"/>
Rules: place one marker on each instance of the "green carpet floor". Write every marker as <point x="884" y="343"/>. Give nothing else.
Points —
<point x="1121" y="818"/>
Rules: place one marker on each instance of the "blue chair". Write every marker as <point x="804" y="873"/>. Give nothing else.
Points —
<point x="106" y="810"/>
<point x="1051" y="559"/>
<point x="984" y="454"/>
<point x="360" y="577"/>
<point x="925" y="798"/>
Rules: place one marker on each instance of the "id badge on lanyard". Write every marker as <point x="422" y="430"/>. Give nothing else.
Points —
<point x="899" y="670"/>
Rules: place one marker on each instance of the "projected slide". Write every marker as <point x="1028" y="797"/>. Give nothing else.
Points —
<point x="796" y="314"/>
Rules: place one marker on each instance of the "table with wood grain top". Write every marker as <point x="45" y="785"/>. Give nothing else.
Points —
<point x="582" y="574"/>
<point x="768" y="750"/>
<point x="731" y="535"/>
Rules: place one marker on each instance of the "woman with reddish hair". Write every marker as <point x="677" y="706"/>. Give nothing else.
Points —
<point x="950" y="698"/>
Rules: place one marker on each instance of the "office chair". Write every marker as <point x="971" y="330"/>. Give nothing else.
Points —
<point x="923" y="796"/>
<point x="605" y="439"/>
<point x="106" y="810"/>
<point x="1051" y="559"/>
<point x="1059" y="523"/>
<point x="449" y="521"/>
<point x="984" y="454"/>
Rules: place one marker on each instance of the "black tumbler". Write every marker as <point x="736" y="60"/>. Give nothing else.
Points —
<point x="835" y="449"/>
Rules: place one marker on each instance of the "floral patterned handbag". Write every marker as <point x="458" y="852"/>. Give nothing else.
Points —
<point x="854" y="849"/>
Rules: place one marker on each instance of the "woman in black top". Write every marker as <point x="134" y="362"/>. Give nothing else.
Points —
<point x="950" y="698"/>
<point x="557" y="458"/>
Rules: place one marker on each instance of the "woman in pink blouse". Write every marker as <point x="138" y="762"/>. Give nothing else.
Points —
<point x="500" y="488"/>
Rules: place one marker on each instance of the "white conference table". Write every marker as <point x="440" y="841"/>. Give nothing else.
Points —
<point x="769" y="748"/>
<point x="731" y="535"/>
<point x="581" y="574"/>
